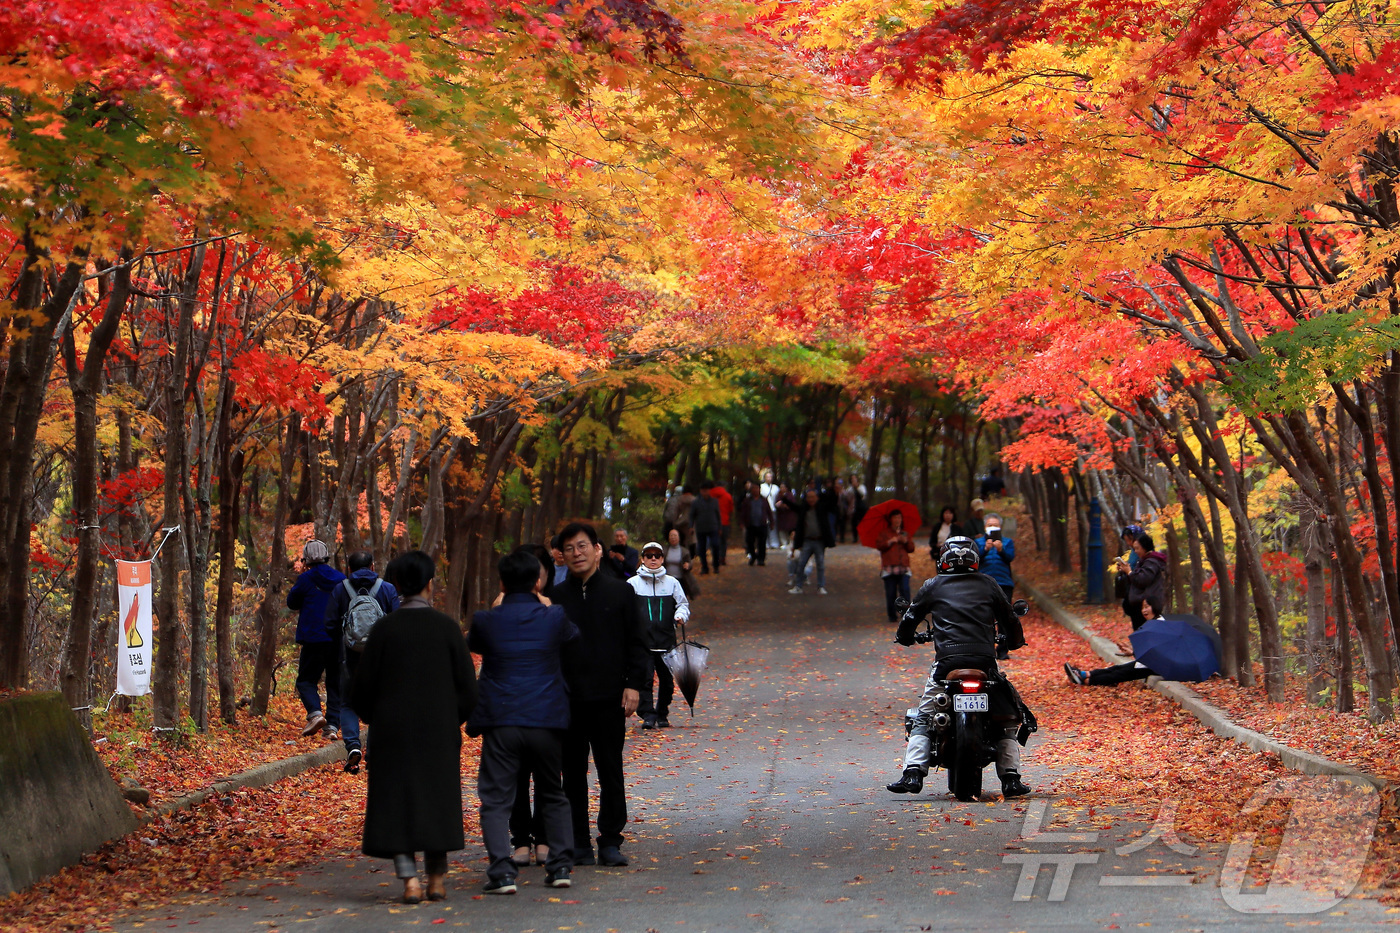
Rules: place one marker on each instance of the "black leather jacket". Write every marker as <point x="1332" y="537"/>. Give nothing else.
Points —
<point x="966" y="609"/>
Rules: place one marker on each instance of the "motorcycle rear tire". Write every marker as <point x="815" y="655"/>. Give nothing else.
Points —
<point x="964" y="772"/>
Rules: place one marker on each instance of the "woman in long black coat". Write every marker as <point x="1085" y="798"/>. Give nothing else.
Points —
<point x="415" y="686"/>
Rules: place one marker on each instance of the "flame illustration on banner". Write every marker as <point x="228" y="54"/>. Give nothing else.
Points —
<point x="133" y="634"/>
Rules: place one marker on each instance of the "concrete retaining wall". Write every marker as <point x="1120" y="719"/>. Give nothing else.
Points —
<point x="57" y="800"/>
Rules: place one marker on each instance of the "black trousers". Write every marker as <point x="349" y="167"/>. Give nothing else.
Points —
<point x="1118" y="674"/>
<point x="1134" y="613"/>
<point x="665" y="691"/>
<point x="526" y="828"/>
<point x="505" y="751"/>
<point x="756" y="543"/>
<point x="598" y="727"/>
<point x="708" y="543"/>
<point x="318" y="659"/>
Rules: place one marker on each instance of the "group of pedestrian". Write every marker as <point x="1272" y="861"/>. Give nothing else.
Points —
<point x="566" y="659"/>
<point x="334" y="614"/>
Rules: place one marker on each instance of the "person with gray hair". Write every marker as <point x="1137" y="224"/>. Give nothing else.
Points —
<point x="320" y="652"/>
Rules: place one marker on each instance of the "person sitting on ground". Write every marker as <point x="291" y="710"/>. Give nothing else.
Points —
<point x="521" y="714"/>
<point x="1147" y="582"/>
<point x="947" y="527"/>
<point x="1118" y="673"/>
<point x="344" y="605"/>
<point x="895" y="547"/>
<point x="320" y="653"/>
<point x="661" y="605"/>
<point x="415" y="686"/>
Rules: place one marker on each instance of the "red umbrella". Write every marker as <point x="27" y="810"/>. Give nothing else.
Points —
<point x="875" y="525"/>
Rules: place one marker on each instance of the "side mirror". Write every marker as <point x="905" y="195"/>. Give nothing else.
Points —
<point x="901" y="604"/>
<point x="1020" y="607"/>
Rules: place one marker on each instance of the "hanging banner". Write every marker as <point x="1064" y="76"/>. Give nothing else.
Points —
<point x="134" y="635"/>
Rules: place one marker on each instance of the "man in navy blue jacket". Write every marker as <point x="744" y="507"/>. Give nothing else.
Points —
<point x="320" y="652"/>
<point x="522" y="711"/>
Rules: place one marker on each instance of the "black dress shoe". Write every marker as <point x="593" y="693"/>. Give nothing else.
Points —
<point x="584" y="856"/>
<point x="1011" y="785"/>
<point x="911" y="783"/>
<point x="611" y="857"/>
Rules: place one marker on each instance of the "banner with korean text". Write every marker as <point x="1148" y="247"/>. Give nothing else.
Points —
<point x="134" y="635"/>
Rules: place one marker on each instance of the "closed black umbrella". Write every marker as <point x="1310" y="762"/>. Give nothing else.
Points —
<point x="687" y="662"/>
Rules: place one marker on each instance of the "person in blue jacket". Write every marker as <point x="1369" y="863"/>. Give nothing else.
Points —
<point x="997" y="552"/>
<point x="320" y="653"/>
<point x="522" y="711"/>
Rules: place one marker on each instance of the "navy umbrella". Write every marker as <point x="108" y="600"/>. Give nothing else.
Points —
<point x="1178" y="648"/>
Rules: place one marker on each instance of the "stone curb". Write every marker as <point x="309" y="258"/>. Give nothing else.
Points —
<point x="261" y="776"/>
<point x="1210" y="715"/>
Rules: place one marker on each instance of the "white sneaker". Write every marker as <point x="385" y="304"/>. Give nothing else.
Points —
<point x="821" y="590"/>
<point x="796" y="591"/>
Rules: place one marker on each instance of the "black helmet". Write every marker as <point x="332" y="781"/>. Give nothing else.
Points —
<point x="959" y="555"/>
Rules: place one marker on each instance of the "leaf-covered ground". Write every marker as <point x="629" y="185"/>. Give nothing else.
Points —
<point x="1147" y="749"/>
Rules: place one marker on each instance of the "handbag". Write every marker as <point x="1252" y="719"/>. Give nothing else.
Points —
<point x="689" y="586"/>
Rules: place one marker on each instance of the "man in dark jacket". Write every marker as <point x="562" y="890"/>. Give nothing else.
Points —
<point x="614" y="666"/>
<point x="1148" y="580"/>
<point x="362" y="582"/>
<point x="320" y="653"/>
<point x="522" y="711"/>
<point x="757" y="517"/>
<point x="705" y="520"/>
<point x="815" y="533"/>
<point x="966" y="609"/>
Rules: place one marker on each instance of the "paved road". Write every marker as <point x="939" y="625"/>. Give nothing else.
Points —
<point x="767" y="812"/>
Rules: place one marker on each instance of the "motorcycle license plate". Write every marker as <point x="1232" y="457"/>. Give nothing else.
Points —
<point x="970" y="703"/>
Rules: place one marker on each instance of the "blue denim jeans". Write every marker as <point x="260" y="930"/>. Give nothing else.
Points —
<point x="811" y="549"/>
<point x="349" y="722"/>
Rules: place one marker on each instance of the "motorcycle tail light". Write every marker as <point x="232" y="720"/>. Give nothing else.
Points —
<point x="971" y="686"/>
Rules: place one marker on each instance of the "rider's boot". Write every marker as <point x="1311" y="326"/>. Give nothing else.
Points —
<point x="911" y="783"/>
<point x="1012" y="786"/>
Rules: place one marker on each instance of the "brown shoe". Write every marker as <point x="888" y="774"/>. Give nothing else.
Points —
<point x="437" y="887"/>
<point x="412" y="891"/>
<point x="541" y="854"/>
<point x="314" y="722"/>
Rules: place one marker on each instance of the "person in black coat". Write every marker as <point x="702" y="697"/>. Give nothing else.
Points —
<point x="614" y="666"/>
<point x="522" y="715"/>
<point x="415" y="686"/>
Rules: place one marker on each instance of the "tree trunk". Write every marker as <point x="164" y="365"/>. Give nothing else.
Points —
<point x="271" y="607"/>
<point x="165" y="671"/>
<point x="85" y="382"/>
<point x="30" y="360"/>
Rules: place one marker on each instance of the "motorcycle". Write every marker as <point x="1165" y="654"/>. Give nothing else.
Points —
<point x="964" y="730"/>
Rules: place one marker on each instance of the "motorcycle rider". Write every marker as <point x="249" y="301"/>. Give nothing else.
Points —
<point x="966" y="608"/>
